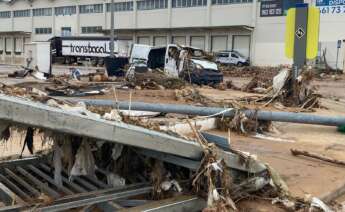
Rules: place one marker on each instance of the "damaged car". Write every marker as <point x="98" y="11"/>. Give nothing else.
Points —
<point x="188" y="63"/>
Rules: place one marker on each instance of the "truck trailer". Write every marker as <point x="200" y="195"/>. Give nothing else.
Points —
<point x="69" y="50"/>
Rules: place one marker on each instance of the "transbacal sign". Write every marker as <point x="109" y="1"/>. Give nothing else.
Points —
<point x="91" y="48"/>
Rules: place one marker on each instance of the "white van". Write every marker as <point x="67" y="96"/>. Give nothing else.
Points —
<point x="176" y="61"/>
<point x="231" y="58"/>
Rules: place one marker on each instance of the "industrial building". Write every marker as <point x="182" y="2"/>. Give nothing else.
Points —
<point x="255" y="29"/>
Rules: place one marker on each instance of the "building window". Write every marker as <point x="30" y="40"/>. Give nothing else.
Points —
<point x="66" y="31"/>
<point x="91" y="8"/>
<point x="121" y="6"/>
<point x="222" y="2"/>
<point x="8" y="46"/>
<point x="188" y="3"/>
<point x="143" y="40"/>
<point x="152" y="4"/>
<point x="198" y="42"/>
<point x="21" y="13"/>
<point x="41" y="31"/>
<point x="42" y="12"/>
<point x="18" y="46"/>
<point x="91" y="29"/>
<point x="1" y="45"/>
<point x="181" y="40"/>
<point x="69" y="10"/>
<point x="5" y="14"/>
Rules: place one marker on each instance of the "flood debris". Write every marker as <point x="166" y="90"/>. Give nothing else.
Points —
<point x="117" y="155"/>
<point x="297" y="152"/>
<point x="63" y="87"/>
<point x="118" y="148"/>
<point x="243" y="124"/>
<point x="282" y="89"/>
<point x="153" y="80"/>
<point x="263" y="73"/>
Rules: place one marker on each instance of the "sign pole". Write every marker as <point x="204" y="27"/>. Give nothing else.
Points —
<point x="300" y="43"/>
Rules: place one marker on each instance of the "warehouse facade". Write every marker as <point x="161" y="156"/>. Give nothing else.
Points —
<point x="256" y="29"/>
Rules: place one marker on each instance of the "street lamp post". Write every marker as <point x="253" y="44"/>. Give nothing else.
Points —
<point x="111" y="47"/>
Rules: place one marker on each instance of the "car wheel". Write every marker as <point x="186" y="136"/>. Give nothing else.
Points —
<point x="239" y="64"/>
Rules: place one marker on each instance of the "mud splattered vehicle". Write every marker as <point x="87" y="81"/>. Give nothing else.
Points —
<point x="189" y="63"/>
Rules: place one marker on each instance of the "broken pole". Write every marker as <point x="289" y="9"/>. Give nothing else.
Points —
<point x="302" y="118"/>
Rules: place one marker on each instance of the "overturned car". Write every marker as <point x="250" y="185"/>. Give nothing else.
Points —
<point x="188" y="63"/>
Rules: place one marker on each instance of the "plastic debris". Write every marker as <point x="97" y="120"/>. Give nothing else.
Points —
<point x="84" y="161"/>
<point x="317" y="203"/>
<point x="115" y="180"/>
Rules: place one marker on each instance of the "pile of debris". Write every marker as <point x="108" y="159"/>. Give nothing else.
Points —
<point x="153" y="80"/>
<point x="129" y="162"/>
<point x="250" y="71"/>
<point x="292" y="93"/>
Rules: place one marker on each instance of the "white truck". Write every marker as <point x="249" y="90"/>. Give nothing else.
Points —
<point x="185" y="62"/>
<point x="231" y="58"/>
<point x="73" y="49"/>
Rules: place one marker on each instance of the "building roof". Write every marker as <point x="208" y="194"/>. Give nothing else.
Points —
<point x="14" y="33"/>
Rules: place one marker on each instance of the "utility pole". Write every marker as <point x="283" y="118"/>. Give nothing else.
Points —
<point x="338" y="48"/>
<point x="111" y="46"/>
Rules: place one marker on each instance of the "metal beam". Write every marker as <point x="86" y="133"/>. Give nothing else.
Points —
<point x="39" y="183"/>
<point x="184" y="162"/>
<point x="35" y="114"/>
<point x="176" y="204"/>
<point x="73" y="185"/>
<point x="14" y="187"/>
<point x="97" y="182"/>
<point x="23" y="183"/>
<point x="96" y="193"/>
<point x="23" y="161"/>
<point x="49" y="179"/>
<point x="82" y="182"/>
<point x="8" y="197"/>
<point x="96" y="200"/>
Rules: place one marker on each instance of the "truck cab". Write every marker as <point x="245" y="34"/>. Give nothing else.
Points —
<point x="231" y="58"/>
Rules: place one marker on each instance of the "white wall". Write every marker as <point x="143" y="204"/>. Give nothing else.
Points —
<point x="269" y="41"/>
<point x="269" y="36"/>
<point x="232" y="14"/>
